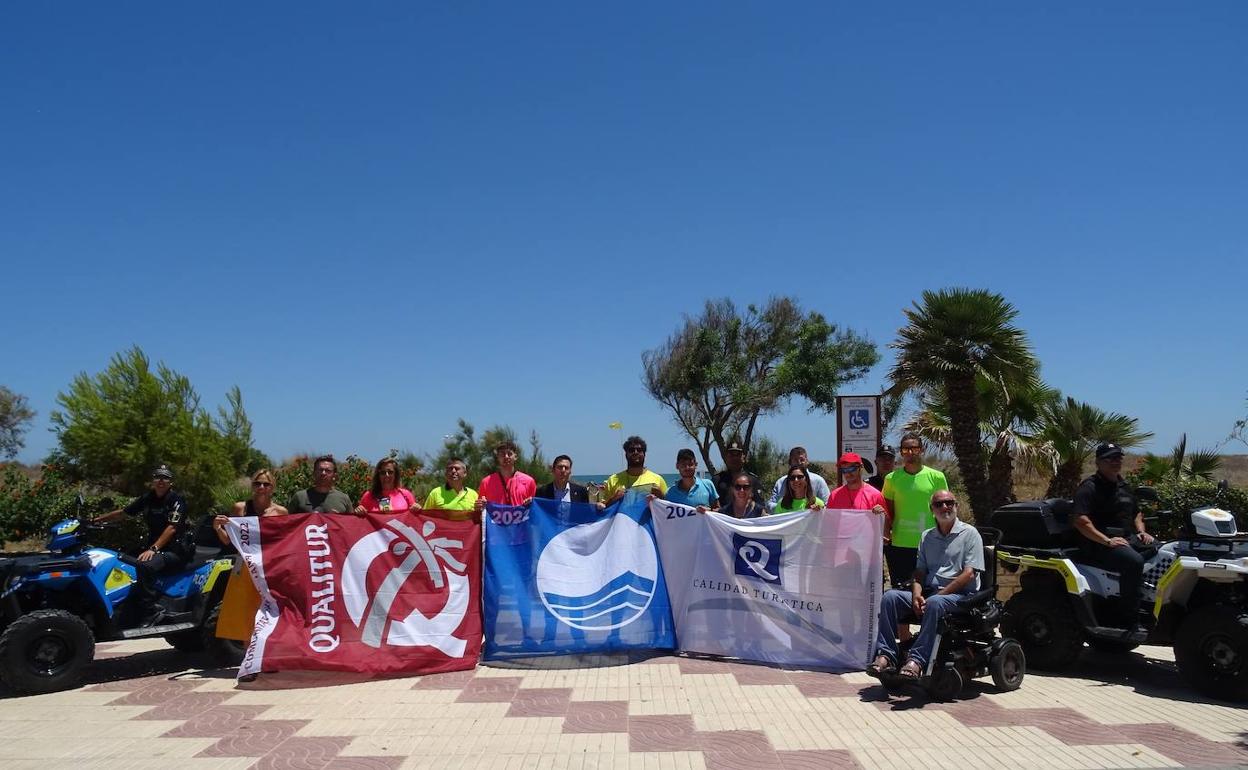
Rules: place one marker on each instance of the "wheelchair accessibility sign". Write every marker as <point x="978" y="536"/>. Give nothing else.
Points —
<point x="859" y="419"/>
<point x="858" y="424"/>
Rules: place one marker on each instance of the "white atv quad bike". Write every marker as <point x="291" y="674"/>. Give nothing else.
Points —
<point x="1195" y="593"/>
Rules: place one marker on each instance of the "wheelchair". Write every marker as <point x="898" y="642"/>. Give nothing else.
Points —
<point x="967" y="645"/>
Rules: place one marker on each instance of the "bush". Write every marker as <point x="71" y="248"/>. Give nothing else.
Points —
<point x="28" y="506"/>
<point x="1180" y="497"/>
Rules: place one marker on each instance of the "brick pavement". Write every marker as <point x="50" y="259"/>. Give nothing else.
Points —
<point x="143" y="708"/>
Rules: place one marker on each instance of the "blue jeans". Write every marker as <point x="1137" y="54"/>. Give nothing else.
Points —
<point x="896" y="608"/>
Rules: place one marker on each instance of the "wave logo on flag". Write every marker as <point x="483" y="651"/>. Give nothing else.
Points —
<point x="371" y="610"/>
<point x="611" y="604"/>
<point x="757" y="557"/>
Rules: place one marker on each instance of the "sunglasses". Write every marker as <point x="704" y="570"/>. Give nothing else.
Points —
<point x="850" y="468"/>
<point x="259" y="484"/>
<point x="945" y="504"/>
<point x="913" y="450"/>
<point x="797" y="478"/>
<point x="742" y="486"/>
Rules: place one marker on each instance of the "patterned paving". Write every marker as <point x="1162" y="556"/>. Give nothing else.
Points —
<point x="144" y="708"/>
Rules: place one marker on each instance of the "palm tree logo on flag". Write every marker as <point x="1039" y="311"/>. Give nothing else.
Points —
<point x="371" y="612"/>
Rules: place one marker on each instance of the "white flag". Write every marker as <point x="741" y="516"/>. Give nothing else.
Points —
<point x="800" y="589"/>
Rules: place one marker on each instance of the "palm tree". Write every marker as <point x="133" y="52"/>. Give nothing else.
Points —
<point x="1009" y="427"/>
<point x="952" y="338"/>
<point x="1200" y="463"/>
<point x="1074" y="428"/>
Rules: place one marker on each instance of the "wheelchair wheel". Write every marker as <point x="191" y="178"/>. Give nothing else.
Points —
<point x="1008" y="666"/>
<point x="945" y="684"/>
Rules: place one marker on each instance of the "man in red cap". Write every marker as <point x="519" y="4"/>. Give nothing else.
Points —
<point x="855" y="494"/>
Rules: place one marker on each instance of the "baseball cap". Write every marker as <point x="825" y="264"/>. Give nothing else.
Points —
<point x="734" y="447"/>
<point x="850" y="458"/>
<point x="1107" y="450"/>
<point x="886" y="450"/>
<point x="162" y="472"/>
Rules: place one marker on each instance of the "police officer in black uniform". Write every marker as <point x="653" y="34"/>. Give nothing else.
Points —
<point x="1108" y="516"/>
<point x="885" y="461"/>
<point x="734" y="461"/>
<point x="165" y="513"/>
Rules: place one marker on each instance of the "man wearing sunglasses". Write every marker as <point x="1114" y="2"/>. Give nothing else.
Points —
<point x="734" y="464"/>
<point x="907" y="491"/>
<point x="950" y="560"/>
<point x="164" y="512"/>
<point x="1107" y="515"/>
<point x="855" y="494"/>
<point x="635" y="476"/>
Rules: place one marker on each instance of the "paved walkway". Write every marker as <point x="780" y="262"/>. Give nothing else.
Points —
<point x="144" y="709"/>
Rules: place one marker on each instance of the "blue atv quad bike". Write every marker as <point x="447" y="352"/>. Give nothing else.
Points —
<point x="54" y="606"/>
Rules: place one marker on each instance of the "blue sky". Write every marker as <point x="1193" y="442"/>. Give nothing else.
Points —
<point x="380" y="218"/>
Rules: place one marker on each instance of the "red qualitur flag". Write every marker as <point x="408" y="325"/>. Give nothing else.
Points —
<point x="377" y="593"/>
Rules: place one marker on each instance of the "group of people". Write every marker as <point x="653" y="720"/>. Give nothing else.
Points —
<point x="933" y="558"/>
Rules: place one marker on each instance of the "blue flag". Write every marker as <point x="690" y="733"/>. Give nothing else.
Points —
<point x="566" y="578"/>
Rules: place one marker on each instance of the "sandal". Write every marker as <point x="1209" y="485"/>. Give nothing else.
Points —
<point x="911" y="671"/>
<point x="881" y="666"/>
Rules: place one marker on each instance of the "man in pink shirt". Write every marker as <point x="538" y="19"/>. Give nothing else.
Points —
<point x="507" y="485"/>
<point x="855" y="494"/>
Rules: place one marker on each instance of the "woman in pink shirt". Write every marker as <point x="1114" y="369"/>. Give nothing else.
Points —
<point x="387" y="496"/>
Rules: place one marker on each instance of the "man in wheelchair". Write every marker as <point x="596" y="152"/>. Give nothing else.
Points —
<point x="950" y="560"/>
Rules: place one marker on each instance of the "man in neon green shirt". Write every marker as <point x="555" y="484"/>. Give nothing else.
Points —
<point x="453" y="495"/>
<point x="908" y="494"/>
<point x="635" y="475"/>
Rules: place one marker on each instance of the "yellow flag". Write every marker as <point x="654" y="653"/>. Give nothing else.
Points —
<point x="615" y="425"/>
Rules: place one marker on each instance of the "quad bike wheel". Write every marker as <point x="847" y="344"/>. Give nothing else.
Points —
<point x="45" y="651"/>
<point x="1211" y="648"/>
<point x="224" y="652"/>
<point x="1044" y="624"/>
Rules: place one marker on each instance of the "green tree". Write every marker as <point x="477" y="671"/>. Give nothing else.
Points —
<point x="478" y="453"/>
<point x="113" y="428"/>
<point x="1073" y="429"/>
<point x="724" y="369"/>
<point x="952" y="338"/>
<point x="235" y="429"/>
<point x="15" y="417"/>
<point x="1010" y="423"/>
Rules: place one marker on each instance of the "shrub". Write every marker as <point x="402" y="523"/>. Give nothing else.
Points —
<point x="28" y="506"/>
<point x="1182" y="496"/>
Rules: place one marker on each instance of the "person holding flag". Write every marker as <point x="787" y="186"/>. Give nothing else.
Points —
<point x="855" y="494"/>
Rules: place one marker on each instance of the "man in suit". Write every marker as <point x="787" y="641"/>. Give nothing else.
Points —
<point x="563" y="488"/>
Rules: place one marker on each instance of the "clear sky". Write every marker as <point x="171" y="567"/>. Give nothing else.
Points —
<point x="378" y="217"/>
